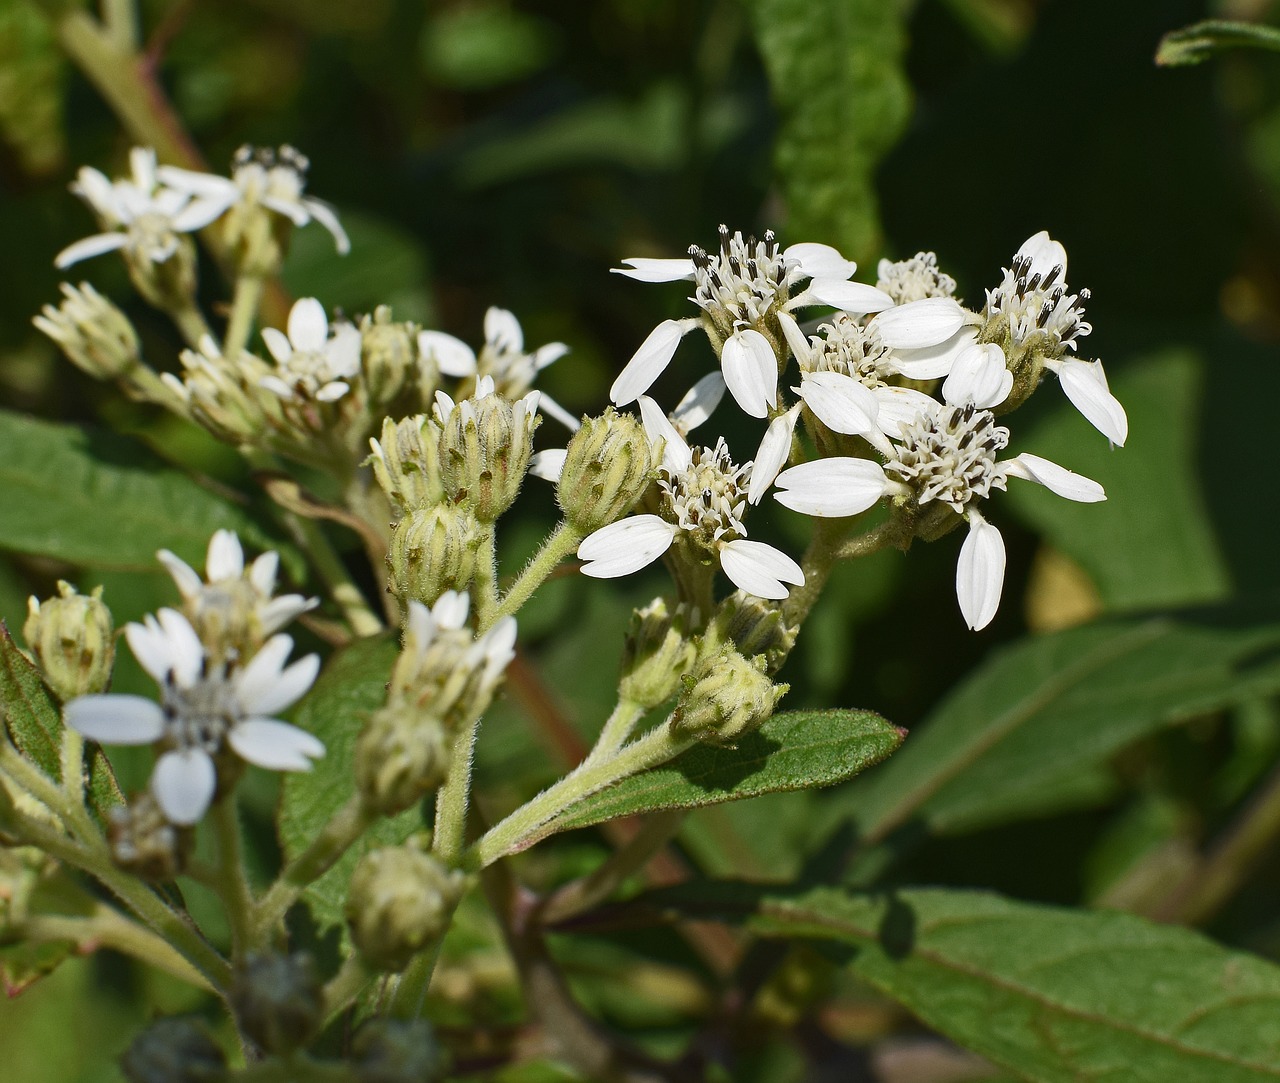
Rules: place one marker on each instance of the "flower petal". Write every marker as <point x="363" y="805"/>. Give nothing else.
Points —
<point x="451" y="609"/>
<point x="900" y="406"/>
<point x="200" y="212"/>
<point x="343" y="351"/>
<point x="186" y="652"/>
<point x="844" y="405"/>
<point x="625" y="546"/>
<point x="277" y="344"/>
<point x="1045" y="253"/>
<point x="189" y="582"/>
<point x="796" y="339"/>
<point x="1057" y="479"/>
<point x="289" y="687"/>
<point x="759" y="569"/>
<point x="978" y="376"/>
<point x="676" y="455"/>
<point x="831" y="488"/>
<point x="116" y="719"/>
<point x="549" y="464"/>
<point x="656" y="270"/>
<point x="452" y="356"/>
<point x="774" y="451"/>
<point x="931" y="362"/>
<point x="502" y="330"/>
<point x="919" y="324"/>
<point x="308" y="325"/>
<point x="699" y="403"/>
<point x="854" y="297"/>
<point x="750" y="372"/>
<point x="328" y="218"/>
<point x="649" y="361"/>
<point x="820" y="260"/>
<point x="87" y="248"/>
<point x="551" y="408"/>
<point x="280" y="611"/>
<point x="275" y="745"/>
<point x="980" y="572"/>
<point x="183" y="784"/>
<point x="1085" y="384"/>
<point x="198" y="184"/>
<point x="225" y="559"/>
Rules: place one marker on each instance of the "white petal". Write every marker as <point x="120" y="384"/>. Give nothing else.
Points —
<point x="186" y="652"/>
<point x="502" y="330"/>
<point x="699" y="403"/>
<point x="451" y="608"/>
<point x="758" y="568"/>
<point x="919" y="324"/>
<point x="900" y="406"/>
<point x="845" y="405"/>
<point x="1085" y="384"/>
<point x="324" y="214"/>
<point x="980" y="572"/>
<point x="290" y="208"/>
<point x="452" y="356"/>
<point x="150" y="648"/>
<point x="774" y="451"/>
<point x="142" y="163"/>
<point x="116" y="719"/>
<point x="265" y="688"/>
<point x="750" y="372"/>
<point x="200" y="212"/>
<point x="90" y="246"/>
<point x="832" y="488"/>
<point x="1045" y="254"/>
<point x="93" y="186"/>
<point x="548" y="354"/>
<point x="656" y="270"/>
<point x="820" y="260"/>
<point x="796" y="339"/>
<point x="275" y="745"/>
<point x="551" y="408"/>
<point x="189" y="583"/>
<point x="343" y="351"/>
<point x="198" y="184"/>
<point x="676" y="455"/>
<point x="626" y="546"/>
<point x="280" y="611"/>
<point x="308" y="325"/>
<point x="931" y="362"/>
<point x="225" y="559"/>
<point x="277" y="344"/>
<point x="979" y="376"/>
<point x="854" y="297"/>
<point x="548" y="465"/>
<point x="1057" y="479"/>
<point x="649" y="361"/>
<point x="332" y="391"/>
<point x="183" y="784"/>
<point x="262" y="572"/>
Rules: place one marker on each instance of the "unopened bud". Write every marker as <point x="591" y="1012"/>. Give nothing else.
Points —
<point x="398" y="1051"/>
<point x="485" y="445"/>
<point x="71" y="638"/>
<point x="278" y="1000"/>
<point x="401" y="754"/>
<point x="144" y="842"/>
<point x="406" y="463"/>
<point x="659" y="651"/>
<point x="94" y="334"/>
<point x="729" y="697"/>
<point x="400" y="900"/>
<point x="433" y="550"/>
<point x="607" y="467"/>
<point x="388" y="355"/>
<point x="756" y="626"/>
<point x="174" y="1051"/>
<point x="225" y="394"/>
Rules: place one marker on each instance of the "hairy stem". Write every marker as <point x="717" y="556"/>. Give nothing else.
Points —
<point x="454" y="795"/>
<point x="560" y="543"/>
<point x="231" y="882"/>
<point x="333" y="573"/>
<point x="244" y="308"/>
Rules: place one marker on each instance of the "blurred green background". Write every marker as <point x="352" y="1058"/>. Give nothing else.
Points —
<point x="485" y="152"/>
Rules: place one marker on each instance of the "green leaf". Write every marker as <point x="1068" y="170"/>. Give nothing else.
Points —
<point x="33" y="77"/>
<point x="1151" y="543"/>
<point x="798" y="750"/>
<point x="352" y="686"/>
<point x="1196" y="43"/>
<point x="1058" y="996"/>
<point x="1031" y="730"/>
<point x="93" y="498"/>
<point x="34" y="723"/>
<point x="835" y="69"/>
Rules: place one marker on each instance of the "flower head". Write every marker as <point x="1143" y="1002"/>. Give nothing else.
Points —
<point x="312" y="363"/>
<point x="914" y="279"/>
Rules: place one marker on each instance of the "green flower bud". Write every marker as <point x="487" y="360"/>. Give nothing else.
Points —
<point x="398" y="1051"/>
<point x="485" y="445"/>
<point x="607" y="467"/>
<point x="755" y="626"/>
<point x="406" y="463"/>
<point x="174" y="1051"/>
<point x="144" y="842"/>
<point x="401" y="754"/>
<point x="94" y="334"/>
<point x="433" y="550"/>
<point x="389" y="355"/>
<point x="225" y="394"/>
<point x="71" y="639"/>
<point x="729" y="697"/>
<point x="659" y="651"/>
<point x="400" y="900"/>
<point x="278" y="1000"/>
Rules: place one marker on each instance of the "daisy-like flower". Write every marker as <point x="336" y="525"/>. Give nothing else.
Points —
<point x="914" y="279"/>
<point x="232" y="609"/>
<point x="206" y="709"/>
<point x="311" y="363"/>
<point x="704" y="496"/>
<point x="946" y="455"/>
<point x="741" y="289"/>
<point x="140" y="215"/>
<point x="275" y="179"/>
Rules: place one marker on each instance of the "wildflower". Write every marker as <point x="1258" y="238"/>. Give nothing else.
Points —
<point x="311" y="363"/>
<point x="914" y="279"/>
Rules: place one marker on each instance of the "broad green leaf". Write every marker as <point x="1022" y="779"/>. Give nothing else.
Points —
<point x="1031" y="730"/>
<point x="836" y="76"/>
<point x="352" y="686"/>
<point x="93" y="498"/>
<point x="34" y="723"/>
<point x="1196" y="43"/>
<point x="33" y="75"/>
<point x="798" y="750"/>
<point x="1151" y="543"/>
<point x="1057" y="996"/>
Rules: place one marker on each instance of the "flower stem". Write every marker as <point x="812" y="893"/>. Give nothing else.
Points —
<point x="617" y="729"/>
<point x="560" y="543"/>
<point x="486" y="585"/>
<point x="333" y="573"/>
<point x="244" y="307"/>
<point x="27" y="776"/>
<point x="347" y="984"/>
<point x="454" y="795"/>
<point x="232" y="885"/>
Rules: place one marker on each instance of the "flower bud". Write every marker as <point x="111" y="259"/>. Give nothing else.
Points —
<point x="398" y="1051"/>
<point x="278" y="1000"/>
<point x="144" y="842"/>
<point x="400" y="900"/>
<point x="433" y="550"/>
<point x="401" y="754"/>
<point x="607" y="467"/>
<point x="755" y="626"/>
<point x="485" y="445"/>
<point x="71" y="638"/>
<point x="174" y="1051"/>
<point x="729" y="697"/>
<point x="659" y="651"/>
<point x="225" y="394"/>
<point x="169" y="285"/>
<point x="406" y="463"/>
<point x="388" y="355"/>
<point x="94" y="334"/>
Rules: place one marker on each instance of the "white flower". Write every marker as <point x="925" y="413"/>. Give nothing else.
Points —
<point x="311" y="364"/>
<point x="139" y="215"/>
<point x="913" y="279"/>
<point x="704" y="496"/>
<point x="740" y="290"/>
<point x="261" y="176"/>
<point x="432" y="633"/>
<point x="204" y="710"/>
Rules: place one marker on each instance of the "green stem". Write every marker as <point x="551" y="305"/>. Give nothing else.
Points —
<point x="244" y="308"/>
<point x="347" y="984"/>
<point x="522" y="826"/>
<point x="333" y="573"/>
<point x="190" y="322"/>
<point x="486" y="585"/>
<point x="232" y="884"/>
<point x="560" y="543"/>
<point x="617" y="729"/>
<point x="410" y="994"/>
<point x="344" y="827"/>
<point x="27" y="776"/>
<point x="454" y="795"/>
<point x="120" y="18"/>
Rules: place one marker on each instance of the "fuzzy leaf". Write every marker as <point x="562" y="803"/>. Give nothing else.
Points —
<point x="1198" y="42"/>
